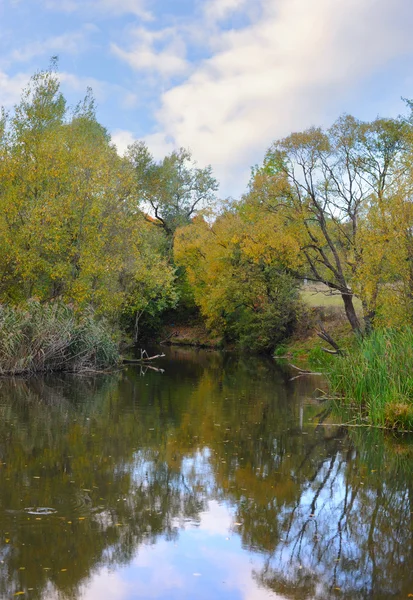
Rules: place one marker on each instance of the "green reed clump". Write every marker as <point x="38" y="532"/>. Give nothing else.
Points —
<point x="376" y="378"/>
<point x="52" y="337"/>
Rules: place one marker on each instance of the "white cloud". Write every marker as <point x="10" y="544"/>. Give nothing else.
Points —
<point x="282" y="72"/>
<point x="161" y="52"/>
<point x="122" y="139"/>
<point x="102" y="8"/>
<point x="220" y="9"/>
<point x="74" y="42"/>
<point x="11" y="88"/>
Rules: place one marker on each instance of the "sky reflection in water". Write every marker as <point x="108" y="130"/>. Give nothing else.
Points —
<point x="220" y="478"/>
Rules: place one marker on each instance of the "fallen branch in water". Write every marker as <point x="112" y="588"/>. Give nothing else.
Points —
<point x="302" y="372"/>
<point x="142" y="360"/>
<point x="364" y="425"/>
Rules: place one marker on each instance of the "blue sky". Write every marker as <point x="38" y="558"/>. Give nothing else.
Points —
<point x="221" y="77"/>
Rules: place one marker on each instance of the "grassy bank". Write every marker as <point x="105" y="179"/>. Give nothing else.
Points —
<point x="52" y="337"/>
<point x="320" y="307"/>
<point x="375" y="379"/>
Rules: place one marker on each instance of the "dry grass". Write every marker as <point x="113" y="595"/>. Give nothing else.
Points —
<point x="52" y="337"/>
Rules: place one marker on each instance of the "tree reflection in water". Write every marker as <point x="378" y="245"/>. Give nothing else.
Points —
<point x="126" y="460"/>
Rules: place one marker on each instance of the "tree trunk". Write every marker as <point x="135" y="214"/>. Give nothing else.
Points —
<point x="368" y="318"/>
<point x="351" y="312"/>
<point x="136" y="329"/>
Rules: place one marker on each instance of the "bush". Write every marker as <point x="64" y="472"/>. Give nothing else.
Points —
<point x="52" y="337"/>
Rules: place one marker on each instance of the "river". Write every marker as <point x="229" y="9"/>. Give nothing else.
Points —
<point x="219" y="478"/>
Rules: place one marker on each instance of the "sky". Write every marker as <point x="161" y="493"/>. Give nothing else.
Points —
<point x="223" y="78"/>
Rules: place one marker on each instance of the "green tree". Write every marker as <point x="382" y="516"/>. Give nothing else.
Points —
<point x="175" y="190"/>
<point x="70" y="227"/>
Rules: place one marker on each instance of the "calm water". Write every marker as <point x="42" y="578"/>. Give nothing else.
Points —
<point x="209" y="481"/>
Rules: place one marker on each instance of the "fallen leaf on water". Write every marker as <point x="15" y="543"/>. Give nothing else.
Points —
<point x="69" y="522"/>
<point x="22" y="568"/>
<point x="19" y="593"/>
<point x="7" y="540"/>
<point x="338" y="589"/>
<point x="82" y="518"/>
<point x="63" y="570"/>
<point x="35" y="477"/>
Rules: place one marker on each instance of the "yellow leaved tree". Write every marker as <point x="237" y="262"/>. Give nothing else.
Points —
<point x="70" y="224"/>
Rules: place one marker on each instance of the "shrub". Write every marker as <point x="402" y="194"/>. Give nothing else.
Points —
<point x="52" y="337"/>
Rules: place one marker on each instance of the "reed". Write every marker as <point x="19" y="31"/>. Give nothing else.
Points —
<point x="376" y="378"/>
<point x="53" y="337"/>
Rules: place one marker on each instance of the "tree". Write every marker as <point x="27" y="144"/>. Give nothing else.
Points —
<point x="174" y="190"/>
<point x="243" y="292"/>
<point x="69" y="224"/>
<point x="322" y="185"/>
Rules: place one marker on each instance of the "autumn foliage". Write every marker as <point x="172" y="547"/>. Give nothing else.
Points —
<point x="131" y="237"/>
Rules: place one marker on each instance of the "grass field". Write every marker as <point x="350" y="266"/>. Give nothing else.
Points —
<point x="319" y="295"/>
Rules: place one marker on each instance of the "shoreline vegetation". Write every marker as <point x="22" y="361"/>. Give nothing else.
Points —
<point x="98" y="247"/>
<point x="40" y="338"/>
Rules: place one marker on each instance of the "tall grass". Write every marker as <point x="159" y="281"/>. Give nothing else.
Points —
<point x="376" y="378"/>
<point x="52" y="337"/>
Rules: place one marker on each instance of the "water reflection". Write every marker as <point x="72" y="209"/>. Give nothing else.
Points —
<point x="218" y="479"/>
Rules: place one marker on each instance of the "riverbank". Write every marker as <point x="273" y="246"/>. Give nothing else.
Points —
<point x="305" y="347"/>
<point x="371" y="381"/>
<point x="193" y="335"/>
